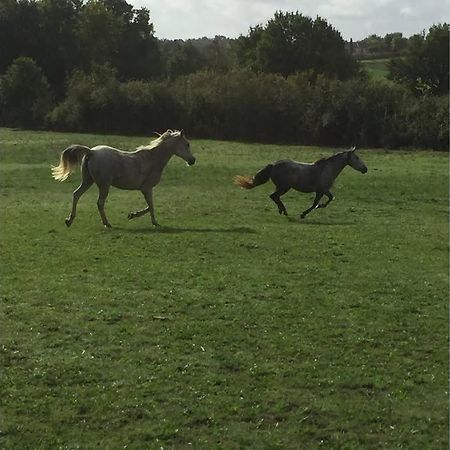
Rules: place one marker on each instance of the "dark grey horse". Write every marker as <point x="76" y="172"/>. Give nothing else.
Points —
<point x="304" y="177"/>
<point x="107" y="166"/>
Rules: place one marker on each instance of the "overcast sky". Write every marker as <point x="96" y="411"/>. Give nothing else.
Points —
<point x="357" y="19"/>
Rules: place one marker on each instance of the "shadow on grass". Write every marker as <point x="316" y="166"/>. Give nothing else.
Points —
<point x="177" y="230"/>
<point x="314" y="222"/>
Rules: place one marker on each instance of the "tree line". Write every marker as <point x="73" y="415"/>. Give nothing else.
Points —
<point x="97" y="66"/>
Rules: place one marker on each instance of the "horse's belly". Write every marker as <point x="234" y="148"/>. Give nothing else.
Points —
<point x="127" y="183"/>
<point x="305" y="189"/>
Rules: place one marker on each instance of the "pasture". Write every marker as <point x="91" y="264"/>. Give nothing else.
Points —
<point x="229" y="326"/>
<point x="377" y="69"/>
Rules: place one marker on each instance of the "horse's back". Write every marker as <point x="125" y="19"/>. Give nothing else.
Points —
<point x="105" y="159"/>
<point x="104" y="150"/>
<point x="297" y="175"/>
<point x="108" y="165"/>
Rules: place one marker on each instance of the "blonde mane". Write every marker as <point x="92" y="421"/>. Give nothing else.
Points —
<point x="160" y="140"/>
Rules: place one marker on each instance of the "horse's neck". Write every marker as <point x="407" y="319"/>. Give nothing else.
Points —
<point x="158" y="158"/>
<point x="336" y="164"/>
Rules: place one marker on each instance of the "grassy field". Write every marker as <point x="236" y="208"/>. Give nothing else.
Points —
<point x="229" y="326"/>
<point x="376" y="68"/>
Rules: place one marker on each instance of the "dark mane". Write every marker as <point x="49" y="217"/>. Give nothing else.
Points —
<point x="322" y="161"/>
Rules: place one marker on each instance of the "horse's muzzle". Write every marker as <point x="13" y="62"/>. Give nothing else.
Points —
<point x="191" y="162"/>
<point x="364" y="170"/>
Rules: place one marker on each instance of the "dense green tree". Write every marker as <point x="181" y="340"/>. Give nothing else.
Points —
<point x="245" y="47"/>
<point x="291" y="42"/>
<point x="193" y="55"/>
<point x="62" y="35"/>
<point x="373" y="44"/>
<point x="398" y="43"/>
<point x="20" y="31"/>
<point x="395" y="42"/>
<point x="139" y="51"/>
<point x="120" y="8"/>
<point x="99" y="31"/>
<point x="425" y="66"/>
<point x="59" y="50"/>
<point x="25" y="96"/>
<point x="217" y="54"/>
<point x="92" y="101"/>
<point x="181" y="58"/>
<point x="112" y="32"/>
<point x="44" y="31"/>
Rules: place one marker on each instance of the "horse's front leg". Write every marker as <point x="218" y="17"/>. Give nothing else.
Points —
<point x="330" y="199"/>
<point x="314" y="205"/>
<point x="142" y="212"/>
<point x="148" y="194"/>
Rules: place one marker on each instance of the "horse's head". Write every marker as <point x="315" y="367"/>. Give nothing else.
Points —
<point x="355" y="161"/>
<point x="182" y="148"/>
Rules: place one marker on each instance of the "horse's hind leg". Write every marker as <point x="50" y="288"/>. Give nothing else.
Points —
<point x="314" y="205"/>
<point x="86" y="183"/>
<point x="276" y="198"/>
<point x="141" y="212"/>
<point x="102" y="194"/>
<point x="330" y="199"/>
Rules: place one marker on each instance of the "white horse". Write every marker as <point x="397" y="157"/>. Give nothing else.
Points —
<point x="107" y="166"/>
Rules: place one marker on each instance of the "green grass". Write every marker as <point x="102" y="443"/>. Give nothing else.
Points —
<point x="229" y="326"/>
<point x="377" y="69"/>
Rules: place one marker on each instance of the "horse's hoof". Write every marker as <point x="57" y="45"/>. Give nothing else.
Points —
<point x="107" y="225"/>
<point x="285" y="213"/>
<point x="130" y="216"/>
<point x="156" y="224"/>
<point x="68" y="223"/>
<point x="302" y="216"/>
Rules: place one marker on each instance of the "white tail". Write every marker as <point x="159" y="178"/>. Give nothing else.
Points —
<point x="70" y="158"/>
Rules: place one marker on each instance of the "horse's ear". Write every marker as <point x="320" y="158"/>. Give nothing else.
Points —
<point x="353" y="149"/>
<point x="181" y="132"/>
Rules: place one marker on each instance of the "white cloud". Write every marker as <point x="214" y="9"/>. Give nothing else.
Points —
<point x="342" y="8"/>
<point x="406" y="11"/>
<point x="353" y="18"/>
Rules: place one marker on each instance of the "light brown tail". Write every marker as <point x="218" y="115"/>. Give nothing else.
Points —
<point x="244" y="182"/>
<point x="260" y="178"/>
<point x="70" y="158"/>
